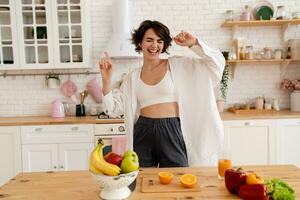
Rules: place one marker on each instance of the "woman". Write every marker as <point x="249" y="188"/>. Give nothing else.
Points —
<point x="171" y="117"/>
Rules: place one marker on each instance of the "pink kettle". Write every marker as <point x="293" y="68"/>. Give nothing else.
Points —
<point x="57" y="108"/>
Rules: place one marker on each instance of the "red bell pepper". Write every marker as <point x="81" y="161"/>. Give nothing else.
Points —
<point x="253" y="192"/>
<point x="234" y="178"/>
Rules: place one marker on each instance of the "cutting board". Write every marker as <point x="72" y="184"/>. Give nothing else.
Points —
<point x="152" y="184"/>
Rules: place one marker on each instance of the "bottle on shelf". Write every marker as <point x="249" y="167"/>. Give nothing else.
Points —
<point x="281" y="13"/>
<point x="289" y="53"/>
<point x="229" y="15"/>
<point x="246" y="15"/>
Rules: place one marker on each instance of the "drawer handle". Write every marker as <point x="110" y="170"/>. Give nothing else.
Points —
<point x="248" y="123"/>
<point x="62" y="167"/>
<point x="54" y="167"/>
<point x="75" y="128"/>
<point x="112" y="129"/>
<point x="38" y="129"/>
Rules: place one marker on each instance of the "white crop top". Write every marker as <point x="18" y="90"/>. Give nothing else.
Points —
<point x="162" y="92"/>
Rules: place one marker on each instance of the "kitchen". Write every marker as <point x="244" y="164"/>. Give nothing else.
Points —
<point x="25" y="96"/>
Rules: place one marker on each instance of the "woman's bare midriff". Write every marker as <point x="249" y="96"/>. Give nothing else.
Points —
<point x="162" y="110"/>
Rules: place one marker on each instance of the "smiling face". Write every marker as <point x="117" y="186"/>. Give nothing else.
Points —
<point x="151" y="45"/>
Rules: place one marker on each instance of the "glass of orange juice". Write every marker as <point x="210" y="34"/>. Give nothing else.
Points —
<point x="224" y="163"/>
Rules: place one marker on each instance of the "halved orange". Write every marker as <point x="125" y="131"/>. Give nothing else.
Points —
<point x="188" y="180"/>
<point x="165" y="177"/>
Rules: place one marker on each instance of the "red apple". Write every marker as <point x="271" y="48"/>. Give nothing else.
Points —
<point x="113" y="158"/>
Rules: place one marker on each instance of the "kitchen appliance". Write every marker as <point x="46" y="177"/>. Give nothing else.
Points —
<point x="57" y="108"/>
<point x="119" y="45"/>
<point x="106" y="132"/>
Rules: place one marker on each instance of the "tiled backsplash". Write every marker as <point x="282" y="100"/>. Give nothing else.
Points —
<point x="29" y="95"/>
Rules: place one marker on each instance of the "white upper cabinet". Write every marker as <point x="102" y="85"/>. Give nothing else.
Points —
<point x="50" y="33"/>
<point x="8" y="35"/>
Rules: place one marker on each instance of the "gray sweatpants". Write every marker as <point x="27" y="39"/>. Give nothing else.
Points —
<point x="159" y="142"/>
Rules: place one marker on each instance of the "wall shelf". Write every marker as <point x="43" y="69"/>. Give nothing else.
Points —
<point x="283" y="64"/>
<point x="256" y="23"/>
<point x="261" y="23"/>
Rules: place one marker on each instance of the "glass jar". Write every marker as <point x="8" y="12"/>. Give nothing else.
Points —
<point x="242" y="53"/>
<point x="249" y="53"/>
<point x="281" y="13"/>
<point x="229" y="15"/>
<point x="246" y="15"/>
<point x="296" y="15"/>
<point x="278" y="54"/>
<point x="267" y="53"/>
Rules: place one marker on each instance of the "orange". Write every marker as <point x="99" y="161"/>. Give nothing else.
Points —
<point x="188" y="180"/>
<point x="165" y="177"/>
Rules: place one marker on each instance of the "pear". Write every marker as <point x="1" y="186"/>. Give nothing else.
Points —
<point x="130" y="162"/>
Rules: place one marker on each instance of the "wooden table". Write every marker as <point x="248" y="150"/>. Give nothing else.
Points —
<point x="79" y="185"/>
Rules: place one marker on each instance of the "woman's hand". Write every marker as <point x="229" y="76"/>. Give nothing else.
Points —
<point x="106" y="70"/>
<point x="185" y="39"/>
<point x="106" y="67"/>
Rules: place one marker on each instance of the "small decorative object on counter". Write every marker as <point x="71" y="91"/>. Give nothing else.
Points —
<point x="275" y="104"/>
<point x="294" y="87"/>
<point x="229" y="15"/>
<point x="295" y="101"/>
<point x="246" y="15"/>
<point x="80" y="110"/>
<point x="259" y="103"/>
<point x="281" y="13"/>
<point x="268" y="106"/>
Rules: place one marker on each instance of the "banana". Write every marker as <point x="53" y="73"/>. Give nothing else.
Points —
<point x="98" y="163"/>
<point x="93" y="169"/>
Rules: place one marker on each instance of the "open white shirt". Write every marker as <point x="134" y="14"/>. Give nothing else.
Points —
<point x="194" y="80"/>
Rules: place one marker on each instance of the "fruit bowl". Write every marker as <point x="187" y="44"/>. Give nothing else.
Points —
<point x="115" y="187"/>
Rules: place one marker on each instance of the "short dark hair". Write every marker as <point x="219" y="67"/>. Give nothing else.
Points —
<point x="160" y="29"/>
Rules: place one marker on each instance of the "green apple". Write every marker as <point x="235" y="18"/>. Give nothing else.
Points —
<point x="130" y="162"/>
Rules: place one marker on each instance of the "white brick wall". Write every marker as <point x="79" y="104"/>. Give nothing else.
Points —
<point x="29" y="95"/>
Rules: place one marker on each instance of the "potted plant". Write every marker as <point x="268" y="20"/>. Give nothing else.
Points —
<point x="292" y="86"/>
<point x="223" y="87"/>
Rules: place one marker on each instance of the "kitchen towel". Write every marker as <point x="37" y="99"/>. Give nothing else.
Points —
<point x="95" y="90"/>
<point x="68" y="88"/>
